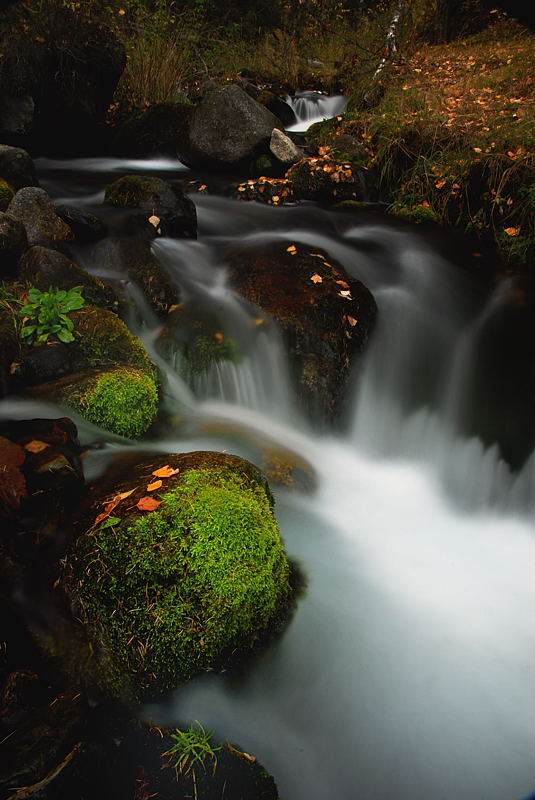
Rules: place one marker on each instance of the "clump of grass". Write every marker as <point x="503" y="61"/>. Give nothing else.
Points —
<point x="191" y="748"/>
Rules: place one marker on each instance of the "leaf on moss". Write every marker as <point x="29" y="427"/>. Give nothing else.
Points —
<point x="154" y="485"/>
<point x="148" y="504"/>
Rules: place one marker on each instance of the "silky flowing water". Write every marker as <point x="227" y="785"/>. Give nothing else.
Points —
<point x="407" y="669"/>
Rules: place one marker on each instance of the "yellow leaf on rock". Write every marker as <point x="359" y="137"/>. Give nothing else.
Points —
<point x="292" y="249"/>
<point x="316" y="278"/>
<point x="35" y="446"/>
<point x="155" y="221"/>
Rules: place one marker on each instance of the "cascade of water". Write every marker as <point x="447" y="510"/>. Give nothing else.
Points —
<point x="311" y="107"/>
<point x="407" y="669"/>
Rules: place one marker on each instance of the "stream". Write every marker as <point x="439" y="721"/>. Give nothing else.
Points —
<point x="407" y="669"/>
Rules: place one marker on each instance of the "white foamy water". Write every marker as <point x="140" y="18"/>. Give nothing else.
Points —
<point x="311" y="107"/>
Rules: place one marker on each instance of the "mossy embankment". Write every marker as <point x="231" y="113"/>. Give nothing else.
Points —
<point x="447" y="134"/>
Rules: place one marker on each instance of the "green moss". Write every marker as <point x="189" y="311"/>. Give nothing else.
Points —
<point x="102" y="339"/>
<point x="418" y="213"/>
<point x="6" y="194"/>
<point x="122" y="401"/>
<point x="175" y="590"/>
<point x="133" y="191"/>
<point x="206" y="350"/>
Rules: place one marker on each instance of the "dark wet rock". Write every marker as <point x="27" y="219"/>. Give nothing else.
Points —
<point x="227" y="129"/>
<point x="133" y="255"/>
<point x="34" y="208"/>
<point x="218" y="582"/>
<point x="325" y="180"/>
<point x="17" y="167"/>
<point x="120" y="399"/>
<point x="151" y="131"/>
<point x="325" y="315"/>
<point x="155" y="206"/>
<point x="85" y="226"/>
<point x="43" y="476"/>
<point x="13" y="243"/>
<point x="16" y="117"/>
<point x="7" y="193"/>
<point x="43" y="268"/>
<point x="279" y="107"/>
<point x="44" y="363"/>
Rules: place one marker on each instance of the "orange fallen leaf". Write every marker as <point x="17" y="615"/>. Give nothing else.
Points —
<point x="154" y="485"/>
<point x="154" y="220"/>
<point x="219" y="337"/>
<point x="165" y="472"/>
<point x="343" y="283"/>
<point x="148" y="504"/>
<point x="36" y="446"/>
<point x="352" y="321"/>
<point x="316" y="278"/>
<point x="292" y="249"/>
<point x="512" y="231"/>
<point x="346" y="294"/>
<point x="440" y="184"/>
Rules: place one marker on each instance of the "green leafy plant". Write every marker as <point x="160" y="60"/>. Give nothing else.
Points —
<point x="190" y="748"/>
<point x="46" y="314"/>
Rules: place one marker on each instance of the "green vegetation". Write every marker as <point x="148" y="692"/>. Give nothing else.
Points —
<point x="6" y="194"/>
<point x="173" y="592"/>
<point x="46" y="315"/>
<point x="121" y="400"/>
<point x="131" y="191"/>
<point x="192" y="747"/>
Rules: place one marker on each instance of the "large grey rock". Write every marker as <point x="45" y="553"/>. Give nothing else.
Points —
<point x="34" y="208"/>
<point x="227" y="129"/>
<point x="16" y="167"/>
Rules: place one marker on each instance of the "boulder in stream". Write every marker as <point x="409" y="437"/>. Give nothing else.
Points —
<point x="325" y="315"/>
<point x="181" y="573"/>
<point x="227" y="130"/>
<point x="17" y="167"/>
<point x="33" y="207"/>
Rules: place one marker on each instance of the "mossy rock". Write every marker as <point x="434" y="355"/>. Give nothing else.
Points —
<point x="102" y="339"/>
<point x="164" y="210"/>
<point x="326" y="180"/>
<point x="6" y="194"/>
<point x="194" y="340"/>
<point x="180" y="589"/>
<point x="44" y="267"/>
<point x="418" y="213"/>
<point x="122" y="400"/>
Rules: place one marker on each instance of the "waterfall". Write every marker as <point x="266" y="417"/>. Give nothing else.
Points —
<point x="407" y="669"/>
<point x="311" y="107"/>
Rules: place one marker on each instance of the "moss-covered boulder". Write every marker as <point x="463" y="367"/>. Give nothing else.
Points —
<point x="163" y="210"/>
<point x="43" y="267"/>
<point x="120" y="399"/>
<point x="187" y="570"/>
<point x="16" y="167"/>
<point x="325" y="314"/>
<point x="102" y="339"/>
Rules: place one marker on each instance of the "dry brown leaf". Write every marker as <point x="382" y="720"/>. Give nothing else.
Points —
<point x="352" y="321"/>
<point x="165" y="472"/>
<point x="36" y="446"/>
<point x="154" y="485"/>
<point x="123" y="495"/>
<point x="148" y="504"/>
<point x="316" y="278"/>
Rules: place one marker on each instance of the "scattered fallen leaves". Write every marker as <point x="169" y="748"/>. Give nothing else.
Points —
<point x="165" y="472"/>
<point x="36" y="446"/>
<point x="292" y="249"/>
